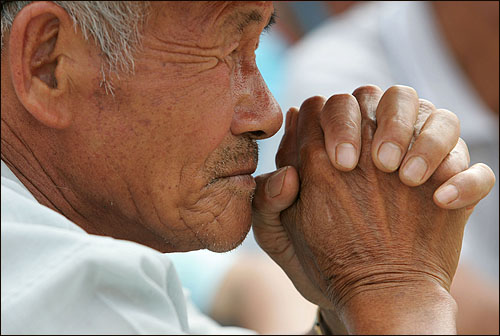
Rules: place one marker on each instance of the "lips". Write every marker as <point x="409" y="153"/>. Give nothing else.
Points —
<point x="231" y="160"/>
<point x="235" y="173"/>
<point x="242" y="171"/>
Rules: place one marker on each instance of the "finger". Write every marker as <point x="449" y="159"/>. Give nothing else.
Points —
<point x="438" y="137"/>
<point x="455" y="162"/>
<point x="341" y="123"/>
<point x="274" y="193"/>
<point x="396" y="115"/>
<point x="287" y="150"/>
<point x="425" y="109"/>
<point x="368" y="98"/>
<point x="466" y="188"/>
<point x="308" y="127"/>
<point x="310" y="142"/>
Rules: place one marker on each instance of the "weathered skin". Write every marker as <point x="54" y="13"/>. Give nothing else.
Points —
<point x="375" y="254"/>
<point x="165" y="162"/>
<point x="374" y="232"/>
<point x="148" y="164"/>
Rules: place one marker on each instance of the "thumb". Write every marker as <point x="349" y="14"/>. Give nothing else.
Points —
<point x="274" y="193"/>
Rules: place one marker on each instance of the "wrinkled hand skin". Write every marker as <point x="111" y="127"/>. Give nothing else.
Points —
<point x="364" y="230"/>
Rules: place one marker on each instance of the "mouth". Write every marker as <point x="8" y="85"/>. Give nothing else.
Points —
<point x="240" y="176"/>
<point x="233" y="164"/>
<point x="239" y="172"/>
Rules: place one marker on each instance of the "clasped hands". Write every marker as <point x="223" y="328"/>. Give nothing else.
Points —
<point x="367" y="211"/>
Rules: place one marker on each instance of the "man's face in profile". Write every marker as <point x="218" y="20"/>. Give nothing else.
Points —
<point x="171" y="154"/>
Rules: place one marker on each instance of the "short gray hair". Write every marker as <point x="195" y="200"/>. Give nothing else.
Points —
<point x="115" y="27"/>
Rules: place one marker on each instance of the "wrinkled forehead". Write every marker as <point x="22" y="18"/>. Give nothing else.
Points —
<point x="195" y="19"/>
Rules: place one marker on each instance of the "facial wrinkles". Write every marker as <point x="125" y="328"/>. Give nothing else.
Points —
<point x="196" y="39"/>
<point x="207" y="204"/>
<point x="212" y="214"/>
<point x="203" y="58"/>
<point x="220" y="203"/>
<point x="227" y="159"/>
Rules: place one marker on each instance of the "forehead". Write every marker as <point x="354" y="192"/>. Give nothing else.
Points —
<point x="197" y="18"/>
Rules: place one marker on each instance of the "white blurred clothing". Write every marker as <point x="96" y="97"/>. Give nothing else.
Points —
<point x="57" y="279"/>
<point x="389" y="43"/>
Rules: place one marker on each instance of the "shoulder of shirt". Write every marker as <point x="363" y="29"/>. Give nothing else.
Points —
<point x="48" y="262"/>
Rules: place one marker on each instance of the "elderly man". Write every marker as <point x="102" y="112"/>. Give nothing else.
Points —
<point x="162" y="156"/>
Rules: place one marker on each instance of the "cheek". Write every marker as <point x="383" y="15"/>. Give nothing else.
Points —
<point x="199" y="110"/>
<point x="181" y="127"/>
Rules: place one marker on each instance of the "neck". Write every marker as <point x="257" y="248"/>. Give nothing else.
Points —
<point x="33" y="171"/>
<point x="471" y="30"/>
<point x="32" y="160"/>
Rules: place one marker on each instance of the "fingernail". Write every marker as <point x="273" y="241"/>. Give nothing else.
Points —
<point x="345" y="155"/>
<point x="275" y="182"/>
<point x="447" y="194"/>
<point x="389" y="155"/>
<point x="415" y="169"/>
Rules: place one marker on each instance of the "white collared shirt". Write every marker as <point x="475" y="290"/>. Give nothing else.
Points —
<point x="57" y="279"/>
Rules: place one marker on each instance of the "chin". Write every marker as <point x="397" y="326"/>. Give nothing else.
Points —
<point x="227" y="234"/>
<point x="230" y="228"/>
<point x="220" y="219"/>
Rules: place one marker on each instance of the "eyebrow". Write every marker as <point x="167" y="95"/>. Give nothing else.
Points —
<point x="254" y="17"/>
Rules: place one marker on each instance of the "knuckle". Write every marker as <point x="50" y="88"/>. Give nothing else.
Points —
<point x="461" y="142"/>
<point x="425" y="110"/>
<point x="341" y="111"/>
<point x="348" y="126"/>
<point x="402" y="125"/>
<point x="433" y="144"/>
<point x="426" y="106"/>
<point x="461" y="147"/>
<point x="367" y="90"/>
<point x="449" y="117"/>
<point x="311" y="152"/>
<point x="313" y="102"/>
<point x="402" y="90"/>
<point x="337" y="122"/>
<point x="489" y="174"/>
<point x="341" y="98"/>
<point x="460" y="153"/>
<point x="465" y="150"/>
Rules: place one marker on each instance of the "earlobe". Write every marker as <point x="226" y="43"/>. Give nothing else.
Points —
<point x="35" y="63"/>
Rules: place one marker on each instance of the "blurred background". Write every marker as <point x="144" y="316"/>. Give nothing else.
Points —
<point x="449" y="52"/>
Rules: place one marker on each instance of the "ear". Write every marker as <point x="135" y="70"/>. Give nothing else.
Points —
<point x="36" y="56"/>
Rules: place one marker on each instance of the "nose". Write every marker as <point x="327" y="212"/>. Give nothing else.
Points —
<point x="257" y="113"/>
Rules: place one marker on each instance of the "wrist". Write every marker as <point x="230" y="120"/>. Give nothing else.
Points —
<point x="410" y="309"/>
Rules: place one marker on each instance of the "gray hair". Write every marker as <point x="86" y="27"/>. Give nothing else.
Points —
<point x="115" y="27"/>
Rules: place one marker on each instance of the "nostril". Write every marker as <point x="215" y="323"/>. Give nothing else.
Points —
<point x="258" y="134"/>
